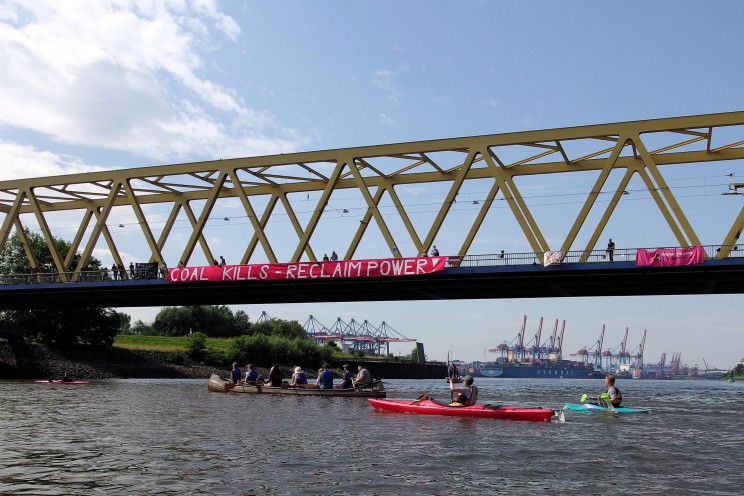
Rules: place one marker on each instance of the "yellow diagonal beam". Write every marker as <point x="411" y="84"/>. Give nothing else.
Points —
<point x="450" y="198"/>
<point x="143" y="224"/>
<point x="516" y="203"/>
<point x="76" y="240"/>
<point x="479" y="218"/>
<point x="258" y="231"/>
<point x="45" y="231"/>
<point x="101" y="219"/>
<point x="11" y="218"/>
<point x="381" y="224"/>
<point x="653" y="169"/>
<point x="592" y="198"/>
<point x="364" y="224"/>
<point x="732" y="237"/>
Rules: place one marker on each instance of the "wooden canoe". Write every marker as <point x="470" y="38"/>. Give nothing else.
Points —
<point x="219" y="385"/>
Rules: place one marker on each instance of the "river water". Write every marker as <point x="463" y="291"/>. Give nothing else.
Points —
<point x="145" y="437"/>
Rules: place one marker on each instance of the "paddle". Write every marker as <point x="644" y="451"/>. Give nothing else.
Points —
<point x="606" y="399"/>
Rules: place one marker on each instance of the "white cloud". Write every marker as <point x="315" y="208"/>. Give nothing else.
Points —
<point x="128" y="76"/>
<point x="383" y="79"/>
<point x="21" y="162"/>
<point x="387" y="120"/>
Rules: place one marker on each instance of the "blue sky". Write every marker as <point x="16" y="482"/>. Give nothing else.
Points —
<point x="119" y="84"/>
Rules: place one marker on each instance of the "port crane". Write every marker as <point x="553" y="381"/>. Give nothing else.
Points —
<point x="554" y="344"/>
<point x="533" y="347"/>
<point x="357" y="336"/>
<point x="594" y="354"/>
<point x="515" y="349"/>
<point x="617" y="358"/>
<point x="636" y="356"/>
<point x="674" y="365"/>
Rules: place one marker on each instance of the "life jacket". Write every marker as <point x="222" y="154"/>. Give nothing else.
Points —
<point x="467" y="401"/>
<point x="618" y="397"/>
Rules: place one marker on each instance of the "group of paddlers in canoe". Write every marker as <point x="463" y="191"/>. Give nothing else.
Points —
<point x="325" y="378"/>
<point x="463" y="401"/>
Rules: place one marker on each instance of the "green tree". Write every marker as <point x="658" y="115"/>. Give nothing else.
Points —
<point x="241" y="323"/>
<point x="64" y="328"/>
<point x="13" y="258"/>
<point x="212" y="320"/>
<point x="57" y="327"/>
<point x="196" y="345"/>
<point x="264" y="350"/>
<point x="289" y="329"/>
<point x="140" y="328"/>
<point x="172" y="321"/>
<point x="412" y="357"/>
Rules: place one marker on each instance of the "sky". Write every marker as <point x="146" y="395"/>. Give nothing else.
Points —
<point x="108" y="85"/>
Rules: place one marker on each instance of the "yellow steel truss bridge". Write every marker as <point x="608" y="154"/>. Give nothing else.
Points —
<point x="296" y="190"/>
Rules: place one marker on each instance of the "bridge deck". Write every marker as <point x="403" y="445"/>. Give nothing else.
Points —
<point x="621" y="278"/>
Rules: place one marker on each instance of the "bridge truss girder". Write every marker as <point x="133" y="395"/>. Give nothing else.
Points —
<point x="193" y="189"/>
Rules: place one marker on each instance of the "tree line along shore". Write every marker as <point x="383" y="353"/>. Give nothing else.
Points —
<point x="38" y="361"/>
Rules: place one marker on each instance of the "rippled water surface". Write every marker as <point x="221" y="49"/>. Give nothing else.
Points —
<point x="174" y="437"/>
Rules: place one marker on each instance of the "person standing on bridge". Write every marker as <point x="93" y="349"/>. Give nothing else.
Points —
<point x="334" y="257"/>
<point x="610" y="249"/>
<point x="434" y="251"/>
<point x="222" y="261"/>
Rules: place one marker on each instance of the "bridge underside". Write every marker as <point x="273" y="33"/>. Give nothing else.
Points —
<point x="617" y="279"/>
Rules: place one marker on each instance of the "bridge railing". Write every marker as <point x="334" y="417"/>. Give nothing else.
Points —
<point x="56" y="277"/>
<point x="471" y="261"/>
<point x="595" y="256"/>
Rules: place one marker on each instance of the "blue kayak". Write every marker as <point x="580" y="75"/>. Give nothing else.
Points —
<point x="589" y="407"/>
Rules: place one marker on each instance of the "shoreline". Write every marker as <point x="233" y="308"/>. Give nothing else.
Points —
<point x="36" y="361"/>
<point x="22" y="360"/>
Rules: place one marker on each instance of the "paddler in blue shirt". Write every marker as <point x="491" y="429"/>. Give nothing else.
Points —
<point x="251" y="376"/>
<point x="236" y="374"/>
<point x="325" y="378"/>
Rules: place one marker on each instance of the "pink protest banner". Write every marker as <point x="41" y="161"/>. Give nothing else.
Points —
<point x="385" y="267"/>
<point x="670" y="257"/>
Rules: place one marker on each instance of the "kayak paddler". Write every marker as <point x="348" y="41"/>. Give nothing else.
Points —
<point x="466" y="395"/>
<point x="614" y="394"/>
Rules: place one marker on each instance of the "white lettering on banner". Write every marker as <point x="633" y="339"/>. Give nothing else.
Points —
<point x="291" y="270"/>
<point x="384" y="267"/>
<point x="310" y="270"/>
<point x="420" y="266"/>
<point x="372" y="266"/>
<point x="355" y="269"/>
<point x="196" y="273"/>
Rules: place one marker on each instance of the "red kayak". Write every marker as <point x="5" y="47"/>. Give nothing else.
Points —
<point x="429" y="407"/>
<point x="70" y="383"/>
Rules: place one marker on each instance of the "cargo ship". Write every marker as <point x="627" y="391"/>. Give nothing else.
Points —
<point x="535" y="359"/>
<point x="559" y="369"/>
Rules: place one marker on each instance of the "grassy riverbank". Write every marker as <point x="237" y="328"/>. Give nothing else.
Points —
<point x="20" y="360"/>
<point x="158" y="357"/>
<point x="166" y="344"/>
